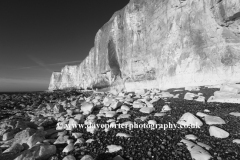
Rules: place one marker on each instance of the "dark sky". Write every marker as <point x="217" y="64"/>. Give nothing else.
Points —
<point x="38" y="37"/>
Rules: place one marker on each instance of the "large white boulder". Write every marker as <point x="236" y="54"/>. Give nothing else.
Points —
<point x="225" y="98"/>
<point x="236" y="141"/>
<point x="237" y="114"/>
<point x="189" y="96"/>
<point x="218" y="132"/>
<point x="188" y="119"/>
<point x="214" y="120"/>
<point x="197" y="152"/>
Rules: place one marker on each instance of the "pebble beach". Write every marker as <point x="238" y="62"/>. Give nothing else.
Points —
<point x="32" y="126"/>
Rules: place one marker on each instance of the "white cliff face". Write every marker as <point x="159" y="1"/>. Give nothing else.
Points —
<point x="54" y="81"/>
<point x="68" y="77"/>
<point x="162" y="44"/>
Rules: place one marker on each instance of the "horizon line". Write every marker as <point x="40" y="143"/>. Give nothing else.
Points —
<point x="29" y="67"/>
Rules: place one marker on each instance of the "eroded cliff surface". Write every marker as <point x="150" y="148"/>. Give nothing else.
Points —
<point x="162" y="44"/>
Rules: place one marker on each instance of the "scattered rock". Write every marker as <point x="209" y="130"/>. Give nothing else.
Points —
<point x="122" y="116"/>
<point x="115" y="104"/>
<point x="159" y="114"/>
<point x="79" y="141"/>
<point x="166" y="108"/>
<point x="143" y="118"/>
<point x="91" y="117"/>
<point x="218" y="132"/>
<point x="107" y="101"/>
<point x="23" y="136"/>
<point x="149" y="104"/>
<point x="110" y="114"/>
<point x="137" y="104"/>
<point x="72" y="124"/>
<point x="40" y="151"/>
<point x="77" y="135"/>
<point x="197" y="152"/>
<point x="236" y="141"/>
<point x="206" y="110"/>
<point x="123" y="135"/>
<point x="90" y="140"/>
<point x="210" y="120"/>
<point x="152" y="122"/>
<point x="176" y="96"/>
<point x="61" y="125"/>
<point x="35" y="138"/>
<point x="188" y="119"/>
<point x="189" y="96"/>
<point x="58" y="108"/>
<point x="15" y="148"/>
<point x="113" y="148"/>
<point x="191" y="137"/>
<point x="7" y="136"/>
<point x="118" y="158"/>
<point x="79" y="118"/>
<point x="147" y="109"/>
<point x="61" y="139"/>
<point x="224" y="97"/>
<point x="124" y="107"/>
<point x="29" y="136"/>
<point x="87" y="157"/>
<point x="47" y="122"/>
<point x="111" y="120"/>
<point x="87" y="108"/>
<point x="237" y="114"/>
<point x="68" y="148"/>
<point x="200" y="99"/>
<point x="192" y="88"/>
<point x="69" y="157"/>
<point x="70" y="112"/>
<point x="92" y="129"/>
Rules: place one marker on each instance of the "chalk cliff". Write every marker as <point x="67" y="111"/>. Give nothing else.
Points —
<point x="162" y="44"/>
